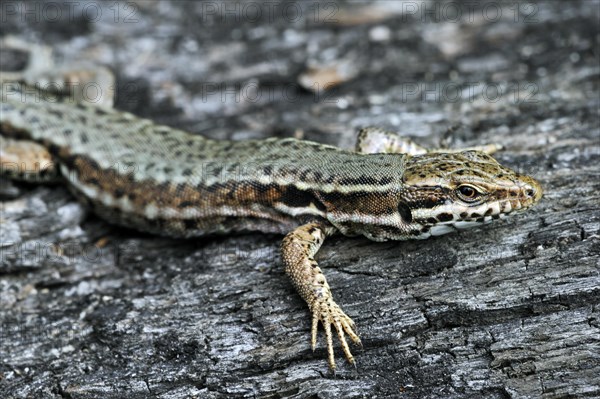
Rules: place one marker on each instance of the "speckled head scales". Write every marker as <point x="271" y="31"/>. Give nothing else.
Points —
<point x="437" y="177"/>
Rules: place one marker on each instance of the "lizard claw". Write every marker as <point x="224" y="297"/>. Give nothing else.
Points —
<point x="329" y="313"/>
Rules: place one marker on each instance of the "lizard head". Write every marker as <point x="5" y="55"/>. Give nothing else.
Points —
<point x="449" y="191"/>
<point x="437" y="193"/>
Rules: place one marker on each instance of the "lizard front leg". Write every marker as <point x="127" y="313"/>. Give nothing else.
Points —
<point x="298" y="250"/>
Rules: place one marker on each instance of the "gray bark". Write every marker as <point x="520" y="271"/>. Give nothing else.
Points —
<point x="89" y="310"/>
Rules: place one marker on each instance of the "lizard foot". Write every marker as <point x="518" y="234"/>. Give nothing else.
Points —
<point x="329" y="313"/>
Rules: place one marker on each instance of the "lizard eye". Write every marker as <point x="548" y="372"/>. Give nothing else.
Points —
<point x="467" y="192"/>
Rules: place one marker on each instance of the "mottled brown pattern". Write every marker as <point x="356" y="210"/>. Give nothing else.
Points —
<point x="361" y="202"/>
<point x="243" y="199"/>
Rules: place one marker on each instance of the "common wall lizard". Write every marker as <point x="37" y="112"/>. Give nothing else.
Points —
<point x="133" y="172"/>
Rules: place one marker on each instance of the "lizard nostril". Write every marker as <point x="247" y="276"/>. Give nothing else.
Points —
<point x="530" y="192"/>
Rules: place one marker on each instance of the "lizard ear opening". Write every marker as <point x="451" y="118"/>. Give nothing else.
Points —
<point x="404" y="212"/>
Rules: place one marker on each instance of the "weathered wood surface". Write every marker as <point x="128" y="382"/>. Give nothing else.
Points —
<point x="511" y="310"/>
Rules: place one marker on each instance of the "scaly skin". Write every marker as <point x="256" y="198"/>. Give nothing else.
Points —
<point x="157" y="179"/>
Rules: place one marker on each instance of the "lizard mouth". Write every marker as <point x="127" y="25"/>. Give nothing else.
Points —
<point x="521" y="196"/>
<point x="527" y="193"/>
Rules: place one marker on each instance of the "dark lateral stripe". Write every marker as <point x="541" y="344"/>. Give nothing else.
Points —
<point x="295" y="198"/>
<point x="346" y="198"/>
<point x="405" y="212"/>
<point x="365" y="180"/>
<point x="425" y="203"/>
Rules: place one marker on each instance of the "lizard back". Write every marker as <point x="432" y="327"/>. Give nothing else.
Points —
<point x="156" y="178"/>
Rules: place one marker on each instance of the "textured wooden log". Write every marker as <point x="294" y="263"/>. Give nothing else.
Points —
<point x="88" y="310"/>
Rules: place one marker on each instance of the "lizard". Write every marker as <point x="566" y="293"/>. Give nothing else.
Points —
<point x="133" y="172"/>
